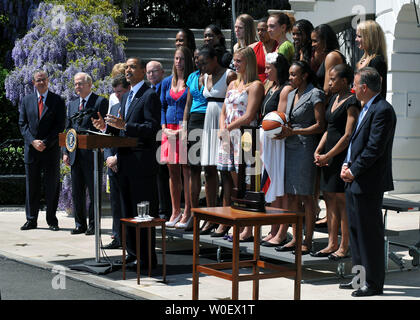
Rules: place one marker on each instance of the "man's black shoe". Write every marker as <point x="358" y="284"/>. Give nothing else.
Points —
<point x="78" y="230"/>
<point x="128" y="259"/>
<point x="90" y="231"/>
<point x="114" y="244"/>
<point x="143" y="265"/>
<point x="53" y="227"/>
<point x="365" y="291"/>
<point x="29" y="225"/>
<point x="348" y="285"/>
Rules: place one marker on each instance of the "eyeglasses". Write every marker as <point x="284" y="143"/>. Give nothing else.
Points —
<point x="79" y="84"/>
<point x="153" y="71"/>
<point x="40" y="80"/>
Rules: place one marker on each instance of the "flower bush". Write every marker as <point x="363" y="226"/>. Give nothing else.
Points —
<point x="65" y="39"/>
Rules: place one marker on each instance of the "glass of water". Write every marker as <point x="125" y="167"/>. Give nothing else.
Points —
<point x="146" y="209"/>
<point x="141" y="210"/>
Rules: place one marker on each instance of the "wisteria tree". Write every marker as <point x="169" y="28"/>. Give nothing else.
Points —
<point x="67" y="37"/>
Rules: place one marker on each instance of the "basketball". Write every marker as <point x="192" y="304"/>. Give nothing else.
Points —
<point x="273" y="122"/>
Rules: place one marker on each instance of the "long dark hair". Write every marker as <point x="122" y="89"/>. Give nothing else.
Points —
<point x="327" y="35"/>
<point x="282" y="67"/>
<point x="306" y="28"/>
<point x="190" y="41"/>
<point x="216" y="30"/>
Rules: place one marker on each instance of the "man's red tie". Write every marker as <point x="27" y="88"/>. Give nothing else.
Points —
<point x="40" y="106"/>
<point x="82" y="105"/>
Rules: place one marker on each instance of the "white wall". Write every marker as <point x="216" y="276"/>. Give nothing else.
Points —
<point x="397" y="18"/>
<point x="330" y="11"/>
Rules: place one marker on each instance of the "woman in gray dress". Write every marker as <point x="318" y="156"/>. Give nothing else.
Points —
<point x="306" y="112"/>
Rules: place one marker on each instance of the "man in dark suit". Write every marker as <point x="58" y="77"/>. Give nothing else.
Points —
<point x="155" y="75"/>
<point x="81" y="160"/>
<point x="120" y="87"/>
<point x="139" y="118"/>
<point x="42" y="117"/>
<point x="367" y="172"/>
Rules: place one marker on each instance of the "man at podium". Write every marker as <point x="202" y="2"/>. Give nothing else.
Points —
<point x="140" y="118"/>
<point x="81" y="160"/>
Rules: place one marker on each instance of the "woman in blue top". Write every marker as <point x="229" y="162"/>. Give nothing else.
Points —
<point x="194" y="113"/>
<point x="173" y="98"/>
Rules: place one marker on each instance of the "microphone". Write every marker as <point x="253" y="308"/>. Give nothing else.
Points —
<point x="82" y="114"/>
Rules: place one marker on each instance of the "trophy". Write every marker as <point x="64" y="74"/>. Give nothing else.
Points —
<point x="251" y="199"/>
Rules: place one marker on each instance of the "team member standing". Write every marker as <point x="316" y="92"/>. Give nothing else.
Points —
<point x="367" y="171"/>
<point x="341" y="117"/>
<point x="81" y="160"/>
<point x="216" y="80"/>
<point x="244" y="31"/>
<point x="41" y="118"/>
<point x="279" y="25"/>
<point x="306" y="112"/>
<point x="243" y="99"/>
<point x="263" y="47"/>
<point x="371" y="39"/>
<point x="173" y="152"/>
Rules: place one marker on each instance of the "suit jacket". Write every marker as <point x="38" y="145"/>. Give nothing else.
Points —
<point x="142" y="122"/>
<point x="302" y="114"/>
<point x="95" y="103"/>
<point x="109" y="152"/>
<point x="158" y="88"/>
<point x="371" y="149"/>
<point x="46" y="128"/>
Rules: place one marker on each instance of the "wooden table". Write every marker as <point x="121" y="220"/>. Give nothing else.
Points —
<point x="130" y="222"/>
<point x="238" y="219"/>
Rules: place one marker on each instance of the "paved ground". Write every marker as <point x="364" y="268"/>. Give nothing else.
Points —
<point x="46" y="249"/>
<point x="25" y="282"/>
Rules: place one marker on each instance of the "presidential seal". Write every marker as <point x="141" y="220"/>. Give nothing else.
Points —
<point x="71" y="140"/>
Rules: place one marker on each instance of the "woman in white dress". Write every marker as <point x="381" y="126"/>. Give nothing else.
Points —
<point x="216" y="81"/>
<point x="272" y="150"/>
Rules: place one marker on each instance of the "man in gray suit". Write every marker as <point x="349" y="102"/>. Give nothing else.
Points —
<point x="41" y="118"/>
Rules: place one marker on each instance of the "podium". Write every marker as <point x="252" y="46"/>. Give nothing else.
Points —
<point x="95" y="142"/>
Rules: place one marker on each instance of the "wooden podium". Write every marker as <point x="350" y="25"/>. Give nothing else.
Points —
<point x="95" y="142"/>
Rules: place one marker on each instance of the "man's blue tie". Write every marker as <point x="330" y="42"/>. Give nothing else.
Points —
<point x="129" y="99"/>
<point x="361" y="116"/>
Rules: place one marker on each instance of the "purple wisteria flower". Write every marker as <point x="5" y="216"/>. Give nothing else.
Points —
<point x="64" y="43"/>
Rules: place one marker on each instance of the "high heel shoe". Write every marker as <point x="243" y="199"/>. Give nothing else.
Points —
<point x="171" y="224"/>
<point x="219" y="234"/>
<point x="209" y="229"/>
<point x="185" y="225"/>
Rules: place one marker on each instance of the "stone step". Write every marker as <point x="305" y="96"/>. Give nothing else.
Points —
<point x="159" y="43"/>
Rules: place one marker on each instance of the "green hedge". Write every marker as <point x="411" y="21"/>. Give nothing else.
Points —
<point x="12" y="190"/>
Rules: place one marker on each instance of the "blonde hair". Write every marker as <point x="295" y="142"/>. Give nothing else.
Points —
<point x="249" y="30"/>
<point x="118" y="69"/>
<point x="373" y="40"/>
<point x="251" y="65"/>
